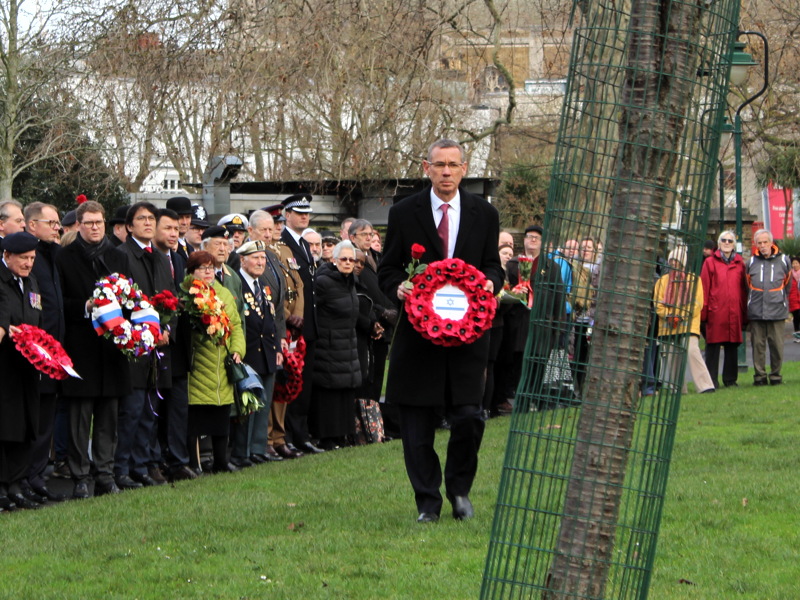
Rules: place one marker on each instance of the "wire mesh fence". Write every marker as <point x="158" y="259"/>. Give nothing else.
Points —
<point x="594" y="417"/>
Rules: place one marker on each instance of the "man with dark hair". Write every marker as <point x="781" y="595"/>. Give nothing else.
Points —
<point x="104" y="369"/>
<point x="450" y="223"/>
<point x="137" y="456"/>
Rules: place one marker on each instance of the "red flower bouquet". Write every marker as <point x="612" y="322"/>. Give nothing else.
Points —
<point x="44" y="352"/>
<point x="448" y="304"/>
<point x="166" y="304"/>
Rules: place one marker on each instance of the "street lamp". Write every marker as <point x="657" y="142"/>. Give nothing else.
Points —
<point x="740" y="62"/>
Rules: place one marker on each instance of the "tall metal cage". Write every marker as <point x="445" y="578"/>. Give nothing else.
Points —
<point x="591" y="435"/>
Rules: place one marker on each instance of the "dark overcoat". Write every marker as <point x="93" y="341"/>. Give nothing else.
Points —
<point x="419" y="370"/>
<point x="273" y="277"/>
<point x="44" y="269"/>
<point x="19" y="393"/>
<point x="306" y="269"/>
<point x="103" y="368"/>
<point x="263" y="343"/>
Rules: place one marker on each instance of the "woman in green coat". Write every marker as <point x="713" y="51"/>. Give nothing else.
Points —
<point x="210" y="392"/>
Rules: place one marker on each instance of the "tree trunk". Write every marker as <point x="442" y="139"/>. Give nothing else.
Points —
<point x="656" y="96"/>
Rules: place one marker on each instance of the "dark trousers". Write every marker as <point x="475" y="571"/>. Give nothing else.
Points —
<point x="297" y="412"/>
<point x="730" y="365"/>
<point x="61" y="429"/>
<point x="40" y="447"/>
<point x="174" y="423"/>
<point x="14" y="460"/>
<point x="131" y="410"/>
<point x="418" y="431"/>
<point x="95" y="418"/>
<point x="146" y="451"/>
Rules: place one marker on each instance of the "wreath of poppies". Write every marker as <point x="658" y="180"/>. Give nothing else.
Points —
<point x="43" y="351"/>
<point x="288" y="390"/>
<point x="135" y="337"/>
<point x="443" y="331"/>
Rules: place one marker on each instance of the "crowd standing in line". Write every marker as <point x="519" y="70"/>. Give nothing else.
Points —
<point x="133" y="423"/>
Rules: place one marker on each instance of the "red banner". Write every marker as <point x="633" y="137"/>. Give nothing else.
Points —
<point x="776" y="203"/>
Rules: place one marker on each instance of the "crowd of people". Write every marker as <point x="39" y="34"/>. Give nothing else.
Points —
<point x="269" y="282"/>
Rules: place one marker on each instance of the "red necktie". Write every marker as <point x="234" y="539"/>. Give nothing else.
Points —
<point x="149" y="250"/>
<point x="444" y="230"/>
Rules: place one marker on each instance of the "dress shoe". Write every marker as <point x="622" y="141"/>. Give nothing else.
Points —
<point x="6" y="504"/>
<point x="271" y="451"/>
<point x="227" y="468"/>
<point x="258" y="459"/>
<point x="462" y="508"/>
<point x="309" y="448"/>
<point x="81" y="491"/>
<point x="45" y="492"/>
<point x="144" y="479"/>
<point x="271" y="456"/>
<point x="124" y="482"/>
<point x="61" y="470"/>
<point x="23" y="502"/>
<point x="28" y="492"/>
<point x="427" y="518"/>
<point x="181" y="473"/>
<point x="285" y="452"/>
<point x="156" y="475"/>
<point x="101" y="488"/>
<point x="242" y="463"/>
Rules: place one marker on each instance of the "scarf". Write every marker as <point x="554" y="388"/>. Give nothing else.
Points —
<point x="94" y="254"/>
<point x="678" y="289"/>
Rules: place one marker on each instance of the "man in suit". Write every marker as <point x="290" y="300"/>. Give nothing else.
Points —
<point x="11" y="218"/>
<point x="298" y="214"/>
<point x="183" y="207"/>
<point x="119" y="233"/>
<point x="425" y="379"/>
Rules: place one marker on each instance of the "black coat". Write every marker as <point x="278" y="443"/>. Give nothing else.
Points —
<point x="151" y="272"/>
<point x="336" y="363"/>
<point x="19" y="393"/>
<point x="180" y="343"/>
<point x="301" y="252"/>
<point x="263" y="343"/>
<point x="102" y="366"/>
<point x="44" y="269"/>
<point x="419" y="371"/>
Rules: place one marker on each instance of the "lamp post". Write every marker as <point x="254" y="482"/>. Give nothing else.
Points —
<point x="740" y="62"/>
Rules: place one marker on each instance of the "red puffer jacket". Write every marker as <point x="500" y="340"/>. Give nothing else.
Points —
<point x="725" y="298"/>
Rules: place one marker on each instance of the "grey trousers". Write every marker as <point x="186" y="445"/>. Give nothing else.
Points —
<point x="763" y="334"/>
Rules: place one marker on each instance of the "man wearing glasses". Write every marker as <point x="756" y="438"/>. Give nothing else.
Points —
<point x="104" y="369"/>
<point x="11" y="218"/>
<point x="425" y="379"/>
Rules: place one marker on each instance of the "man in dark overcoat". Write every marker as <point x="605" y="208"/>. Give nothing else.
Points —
<point x="425" y="379"/>
<point x="103" y="368"/>
<point x="19" y="393"/>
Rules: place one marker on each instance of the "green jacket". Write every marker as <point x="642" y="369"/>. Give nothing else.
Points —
<point x="208" y="380"/>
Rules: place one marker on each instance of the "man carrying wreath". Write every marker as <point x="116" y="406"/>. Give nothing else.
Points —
<point x="426" y="380"/>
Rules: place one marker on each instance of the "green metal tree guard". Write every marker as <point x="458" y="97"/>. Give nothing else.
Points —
<point x="588" y="453"/>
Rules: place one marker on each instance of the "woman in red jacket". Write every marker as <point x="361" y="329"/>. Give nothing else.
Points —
<point x="725" y="308"/>
<point x="794" y="298"/>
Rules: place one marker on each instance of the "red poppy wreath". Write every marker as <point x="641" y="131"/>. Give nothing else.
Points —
<point x="448" y="304"/>
<point x="289" y="389"/>
<point x="44" y="352"/>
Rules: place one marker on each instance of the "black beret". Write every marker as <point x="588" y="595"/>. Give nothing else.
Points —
<point x="119" y="215"/>
<point x="180" y="204"/>
<point x="19" y="243"/>
<point x="215" y="231"/>
<point x="71" y="217"/>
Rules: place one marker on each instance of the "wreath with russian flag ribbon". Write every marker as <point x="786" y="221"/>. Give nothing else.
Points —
<point x="136" y="336"/>
<point x="448" y="304"/>
<point x="43" y="351"/>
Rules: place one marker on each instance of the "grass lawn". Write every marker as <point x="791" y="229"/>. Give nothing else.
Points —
<point x="342" y="524"/>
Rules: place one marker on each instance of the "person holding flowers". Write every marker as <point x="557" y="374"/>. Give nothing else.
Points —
<point x="217" y="334"/>
<point x="426" y="379"/>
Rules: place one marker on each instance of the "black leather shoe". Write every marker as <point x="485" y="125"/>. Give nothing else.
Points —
<point x="462" y="508"/>
<point x="28" y="492"/>
<point x="143" y="478"/>
<point x="81" y="491"/>
<point x="45" y="492"/>
<point x="242" y="463"/>
<point x="309" y="448"/>
<point x="258" y="459"/>
<point x="228" y="468"/>
<point x="271" y="456"/>
<point x="181" y="473"/>
<point x="105" y="487"/>
<point x="23" y="502"/>
<point x="427" y="518"/>
<point x="124" y="482"/>
<point x="6" y="504"/>
<point x="285" y="452"/>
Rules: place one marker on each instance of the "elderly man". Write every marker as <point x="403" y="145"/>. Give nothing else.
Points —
<point x="769" y="274"/>
<point x="314" y="240"/>
<point x="19" y="394"/>
<point x="450" y="223"/>
<point x="11" y="218"/>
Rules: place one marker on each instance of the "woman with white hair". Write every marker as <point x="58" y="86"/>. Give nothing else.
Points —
<point x="724" y="308"/>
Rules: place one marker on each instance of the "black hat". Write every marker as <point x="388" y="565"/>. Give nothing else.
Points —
<point x="234" y="222"/>
<point x="276" y="210"/>
<point x="69" y="219"/>
<point x="20" y="242"/>
<point x="199" y="215"/>
<point x="535" y="228"/>
<point x="299" y="203"/>
<point x="119" y="216"/>
<point x="180" y="204"/>
<point x="215" y="231"/>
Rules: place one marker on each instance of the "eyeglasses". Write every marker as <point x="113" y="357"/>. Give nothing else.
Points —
<point x="54" y="224"/>
<point x="92" y="224"/>
<point x="726" y="241"/>
<point x="533" y="237"/>
<point x="450" y="165"/>
<point x="206" y="268"/>
<point x="366" y="233"/>
<point x="145" y="218"/>
<point x="346" y="259"/>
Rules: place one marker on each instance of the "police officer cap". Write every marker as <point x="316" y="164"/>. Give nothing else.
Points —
<point x="180" y="204"/>
<point x="215" y="231"/>
<point x="299" y="203"/>
<point x="199" y="215"/>
<point x="251" y="247"/>
<point x="19" y="243"/>
<point x="71" y="217"/>
<point x="119" y="215"/>
<point x="276" y="210"/>
<point x="234" y="222"/>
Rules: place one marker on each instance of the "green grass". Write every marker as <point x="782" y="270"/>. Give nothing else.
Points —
<point x="341" y="525"/>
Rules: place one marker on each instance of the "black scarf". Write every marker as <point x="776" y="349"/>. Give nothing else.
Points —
<point x="94" y="254"/>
